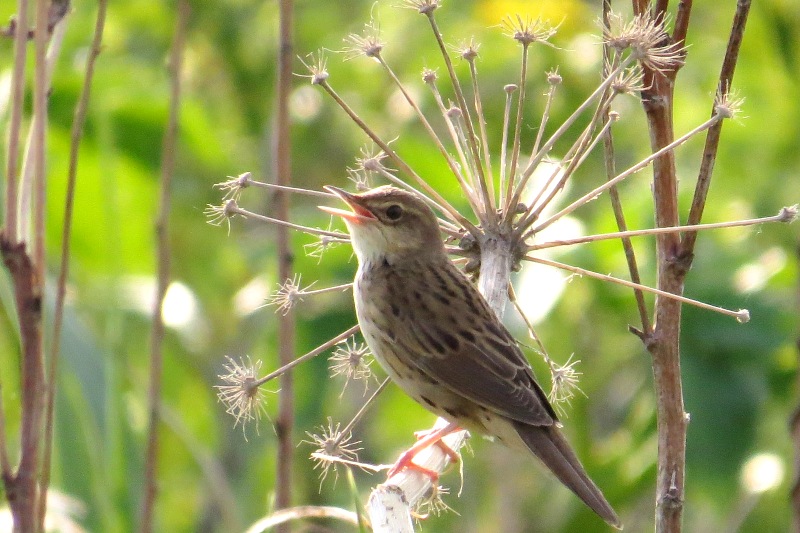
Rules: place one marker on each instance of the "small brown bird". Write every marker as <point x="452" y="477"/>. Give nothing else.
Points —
<point x="439" y="340"/>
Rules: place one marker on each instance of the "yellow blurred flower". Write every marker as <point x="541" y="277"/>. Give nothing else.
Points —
<point x="568" y="15"/>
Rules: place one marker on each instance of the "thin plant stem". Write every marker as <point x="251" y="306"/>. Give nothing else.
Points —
<point x="449" y="210"/>
<point x="163" y="269"/>
<point x="297" y="190"/>
<point x="600" y="90"/>
<point x="29" y="189"/>
<point x="283" y="516"/>
<point x="576" y="155"/>
<point x="784" y="215"/>
<point x="531" y="212"/>
<point x="616" y="203"/>
<point x="467" y="188"/>
<point x="627" y="246"/>
<point x="682" y="20"/>
<point x="363" y="526"/>
<point x="61" y="289"/>
<point x="741" y="315"/>
<point x="509" y="89"/>
<point x="429" y="129"/>
<point x="271" y="220"/>
<point x="635" y="168"/>
<point x="462" y="103"/>
<point x="713" y="136"/>
<point x="664" y="342"/>
<point x="531" y="332"/>
<point x="39" y="137"/>
<point x="540" y="133"/>
<point x="545" y="118"/>
<point x="15" y="121"/>
<point x="28" y="280"/>
<point x="460" y="127"/>
<point x="286" y="322"/>
<point x="21" y="486"/>
<point x="581" y="151"/>
<point x="794" y="423"/>
<point x="537" y="205"/>
<point x="303" y="358"/>
<point x="342" y="287"/>
<point x="487" y="156"/>
<point x="350" y="425"/>
<point x="347" y="462"/>
<point x="512" y="173"/>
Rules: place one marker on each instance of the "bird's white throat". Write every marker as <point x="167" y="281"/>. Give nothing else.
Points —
<point x="369" y="242"/>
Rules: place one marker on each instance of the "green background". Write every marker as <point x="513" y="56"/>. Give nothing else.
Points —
<point x="739" y="379"/>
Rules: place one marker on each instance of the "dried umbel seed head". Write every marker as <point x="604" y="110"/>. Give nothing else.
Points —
<point x="454" y="112"/>
<point x="646" y="39"/>
<point x="788" y="214"/>
<point x="564" y="382"/>
<point x="351" y="360"/>
<point x="528" y="30"/>
<point x="317" y="66"/>
<point x="234" y="185"/>
<point x="425" y="7"/>
<point x="429" y="75"/>
<point x="368" y="43"/>
<point x="217" y="214"/>
<point x="469" y="50"/>
<point x="370" y="159"/>
<point x="728" y="104"/>
<point x="241" y="394"/>
<point x="629" y="81"/>
<point x="360" y="177"/>
<point x="332" y="446"/>
<point x="288" y="294"/>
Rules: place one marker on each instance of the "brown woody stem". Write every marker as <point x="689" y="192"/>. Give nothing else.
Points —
<point x="163" y="266"/>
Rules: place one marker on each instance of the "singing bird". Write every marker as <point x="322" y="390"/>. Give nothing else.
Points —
<point x="438" y="339"/>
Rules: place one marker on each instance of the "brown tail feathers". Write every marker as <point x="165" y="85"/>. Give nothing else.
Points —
<point x="550" y="446"/>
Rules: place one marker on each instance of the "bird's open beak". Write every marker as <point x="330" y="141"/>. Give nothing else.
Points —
<point x="359" y="213"/>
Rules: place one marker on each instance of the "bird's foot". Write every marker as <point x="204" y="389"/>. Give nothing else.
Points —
<point x="406" y="461"/>
<point x="454" y="456"/>
<point x="424" y="440"/>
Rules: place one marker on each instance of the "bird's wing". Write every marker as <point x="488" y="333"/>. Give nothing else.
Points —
<point x="468" y="349"/>
<point x="484" y="373"/>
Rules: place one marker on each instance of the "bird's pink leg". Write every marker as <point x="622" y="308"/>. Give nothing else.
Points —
<point x="426" y="438"/>
<point x="450" y="452"/>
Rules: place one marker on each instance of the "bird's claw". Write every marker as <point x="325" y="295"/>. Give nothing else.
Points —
<point x="431" y="437"/>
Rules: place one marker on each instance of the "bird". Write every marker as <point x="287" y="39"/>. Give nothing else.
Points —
<point x="436" y="336"/>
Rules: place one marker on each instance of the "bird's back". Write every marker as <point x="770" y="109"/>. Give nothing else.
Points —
<point x="427" y="324"/>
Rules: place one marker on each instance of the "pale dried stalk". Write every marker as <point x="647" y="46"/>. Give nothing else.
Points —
<point x="302" y="512"/>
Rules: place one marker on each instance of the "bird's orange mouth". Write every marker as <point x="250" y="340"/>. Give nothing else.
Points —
<point x="359" y="213"/>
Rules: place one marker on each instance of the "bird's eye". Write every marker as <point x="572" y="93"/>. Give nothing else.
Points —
<point x="394" y="212"/>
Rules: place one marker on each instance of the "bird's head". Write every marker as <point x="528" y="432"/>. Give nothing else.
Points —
<point x="388" y="223"/>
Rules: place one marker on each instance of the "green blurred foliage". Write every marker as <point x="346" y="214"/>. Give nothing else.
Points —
<point x="739" y="379"/>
